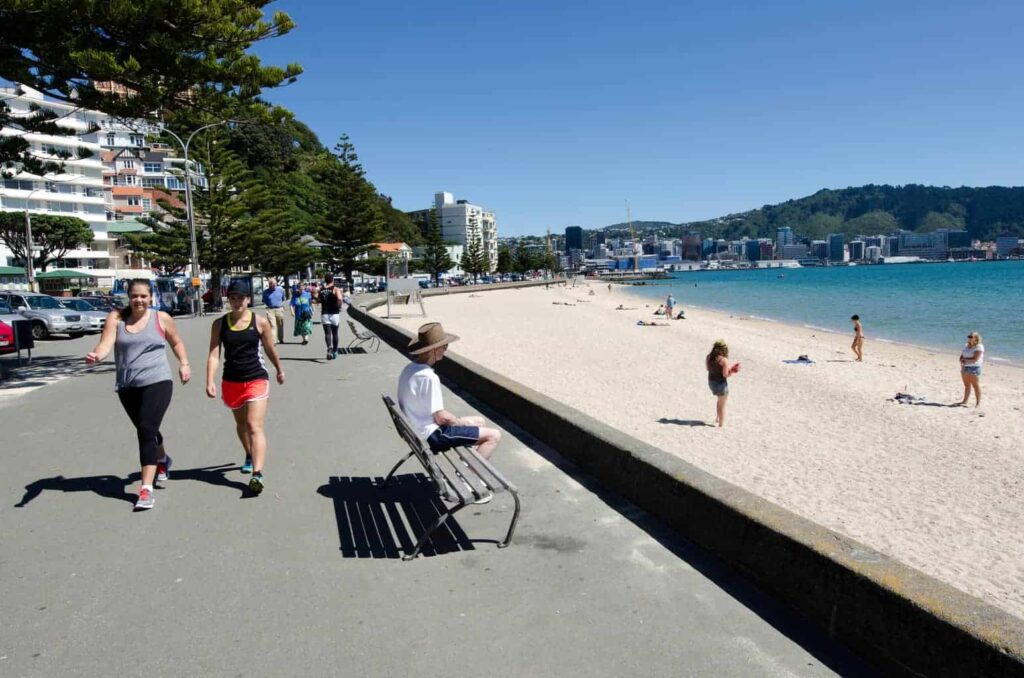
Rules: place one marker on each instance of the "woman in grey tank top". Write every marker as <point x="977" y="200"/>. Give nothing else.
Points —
<point x="139" y="336"/>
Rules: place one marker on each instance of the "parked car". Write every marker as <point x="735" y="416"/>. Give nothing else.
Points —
<point x="6" y="338"/>
<point x="47" y="315"/>
<point x="95" y="316"/>
<point x="103" y="302"/>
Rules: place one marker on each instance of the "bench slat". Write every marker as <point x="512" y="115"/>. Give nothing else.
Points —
<point x="469" y="457"/>
<point x="478" y="484"/>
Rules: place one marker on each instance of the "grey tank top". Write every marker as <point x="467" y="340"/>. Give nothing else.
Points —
<point x="141" y="359"/>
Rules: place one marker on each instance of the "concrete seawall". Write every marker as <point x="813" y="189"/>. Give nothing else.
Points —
<point x="897" y="616"/>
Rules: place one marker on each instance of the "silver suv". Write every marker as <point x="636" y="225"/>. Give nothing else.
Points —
<point x="46" y="313"/>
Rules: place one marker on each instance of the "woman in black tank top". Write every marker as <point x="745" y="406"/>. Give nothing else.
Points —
<point x="241" y="335"/>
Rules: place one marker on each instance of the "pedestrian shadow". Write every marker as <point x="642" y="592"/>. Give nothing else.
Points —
<point x="45" y="370"/>
<point x="684" y="422"/>
<point x="303" y="360"/>
<point x="375" y="522"/>
<point x="113" y="487"/>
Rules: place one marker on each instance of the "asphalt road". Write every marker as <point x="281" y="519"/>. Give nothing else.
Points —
<point x="307" y="580"/>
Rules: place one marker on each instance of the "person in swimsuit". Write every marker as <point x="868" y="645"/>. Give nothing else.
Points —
<point x="139" y="336"/>
<point x="858" y="338"/>
<point x="719" y="372"/>
<point x="245" y="387"/>
<point x="971" y="360"/>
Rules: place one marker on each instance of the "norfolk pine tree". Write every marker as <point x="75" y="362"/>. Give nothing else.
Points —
<point x="436" y="259"/>
<point x="473" y="257"/>
<point x="351" y="221"/>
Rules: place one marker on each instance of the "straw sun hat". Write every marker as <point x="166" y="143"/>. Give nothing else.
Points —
<point x="431" y="336"/>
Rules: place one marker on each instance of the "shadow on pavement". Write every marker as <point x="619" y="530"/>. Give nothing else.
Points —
<point x="829" y="652"/>
<point x="113" y="487"/>
<point x="385" y="523"/>
<point x="43" y="370"/>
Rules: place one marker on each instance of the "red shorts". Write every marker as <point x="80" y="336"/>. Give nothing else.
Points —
<point x="235" y="394"/>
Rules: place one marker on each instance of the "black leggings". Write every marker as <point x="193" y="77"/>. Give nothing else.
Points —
<point x="331" y="336"/>
<point x="146" y="406"/>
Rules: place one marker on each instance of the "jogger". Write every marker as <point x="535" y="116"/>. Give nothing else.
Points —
<point x="330" y="298"/>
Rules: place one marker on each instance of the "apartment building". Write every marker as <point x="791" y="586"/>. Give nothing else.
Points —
<point x="460" y="218"/>
<point x="111" y="175"/>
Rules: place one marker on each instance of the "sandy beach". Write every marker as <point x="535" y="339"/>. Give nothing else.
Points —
<point x="938" y="488"/>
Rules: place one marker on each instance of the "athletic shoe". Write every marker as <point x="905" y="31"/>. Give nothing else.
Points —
<point x="247" y="466"/>
<point x="145" y="500"/>
<point x="256" y="483"/>
<point x="330" y="355"/>
<point x="163" y="468"/>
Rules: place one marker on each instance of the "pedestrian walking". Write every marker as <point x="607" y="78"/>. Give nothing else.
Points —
<point x="330" y="298"/>
<point x="273" y="299"/>
<point x="858" y="338"/>
<point x="301" y="309"/>
<point x="245" y="387"/>
<point x="670" y="304"/>
<point x="139" y="336"/>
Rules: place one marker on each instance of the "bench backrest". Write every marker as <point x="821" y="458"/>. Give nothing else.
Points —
<point x="417" y="445"/>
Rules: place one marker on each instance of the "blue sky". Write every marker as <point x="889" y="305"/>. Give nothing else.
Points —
<point x="554" y="115"/>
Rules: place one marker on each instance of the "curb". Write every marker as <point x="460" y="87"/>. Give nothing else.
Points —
<point x="895" y="615"/>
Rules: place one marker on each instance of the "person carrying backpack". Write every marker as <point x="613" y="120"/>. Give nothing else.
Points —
<point x="302" y="310"/>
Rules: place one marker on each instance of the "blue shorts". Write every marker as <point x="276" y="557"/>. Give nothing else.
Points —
<point x="973" y="369"/>
<point x="719" y="388"/>
<point x="447" y="437"/>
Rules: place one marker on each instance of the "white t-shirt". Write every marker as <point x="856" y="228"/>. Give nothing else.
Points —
<point x="419" y="396"/>
<point x="969" y="352"/>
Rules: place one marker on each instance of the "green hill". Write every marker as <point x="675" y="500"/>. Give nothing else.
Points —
<point x="869" y="210"/>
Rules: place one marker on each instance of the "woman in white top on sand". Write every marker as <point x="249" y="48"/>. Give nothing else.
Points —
<point x="971" y="359"/>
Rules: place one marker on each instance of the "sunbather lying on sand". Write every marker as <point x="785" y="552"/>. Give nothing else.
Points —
<point x="650" y="323"/>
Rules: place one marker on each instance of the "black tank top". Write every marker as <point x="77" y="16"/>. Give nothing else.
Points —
<point x="243" y="354"/>
<point x="329" y="300"/>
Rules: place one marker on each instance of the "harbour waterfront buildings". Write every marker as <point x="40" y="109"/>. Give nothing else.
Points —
<point x="112" y="174"/>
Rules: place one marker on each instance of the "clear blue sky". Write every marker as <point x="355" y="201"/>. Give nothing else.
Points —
<point x="552" y="114"/>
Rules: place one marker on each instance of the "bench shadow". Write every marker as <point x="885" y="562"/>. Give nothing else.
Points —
<point x="684" y="422"/>
<point x="351" y="351"/>
<point x="385" y="523"/>
<point x="114" y="487"/>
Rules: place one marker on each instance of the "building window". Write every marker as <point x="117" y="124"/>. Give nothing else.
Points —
<point x="151" y="182"/>
<point x="153" y="167"/>
<point x="136" y="139"/>
<point x="147" y="204"/>
<point x="111" y="139"/>
<point x="133" y="201"/>
<point x="128" y="164"/>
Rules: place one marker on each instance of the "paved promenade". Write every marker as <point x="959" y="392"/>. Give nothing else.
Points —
<point x="307" y="580"/>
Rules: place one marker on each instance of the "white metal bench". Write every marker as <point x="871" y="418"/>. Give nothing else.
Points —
<point x="460" y="476"/>
<point x="360" y="338"/>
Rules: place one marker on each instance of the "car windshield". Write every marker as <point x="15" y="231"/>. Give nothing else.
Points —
<point x="5" y="307"/>
<point x="44" y="302"/>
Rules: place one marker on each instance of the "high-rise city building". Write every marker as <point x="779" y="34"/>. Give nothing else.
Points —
<point x="836" y="250"/>
<point x="856" y="250"/>
<point x="573" y="239"/>
<point x="784" y="236"/>
<point x="459" y="220"/>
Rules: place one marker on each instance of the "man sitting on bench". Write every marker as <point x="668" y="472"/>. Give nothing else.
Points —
<point x="419" y="396"/>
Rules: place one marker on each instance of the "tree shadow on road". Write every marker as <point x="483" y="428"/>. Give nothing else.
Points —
<point x="44" y="370"/>
<point x="114" y="487"/>
<point x="375" y="522"/>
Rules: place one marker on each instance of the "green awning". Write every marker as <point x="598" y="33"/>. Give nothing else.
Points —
<point x="63" y="274"/>
<point x="127" y="226"/>
<point x="12" y="270"/>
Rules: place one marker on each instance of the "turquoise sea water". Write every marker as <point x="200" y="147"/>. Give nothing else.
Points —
<point x="932" y="305"/>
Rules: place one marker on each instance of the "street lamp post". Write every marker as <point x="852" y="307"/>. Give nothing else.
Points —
<point x="29" y="261"/>
<point x="188" y="204"/>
